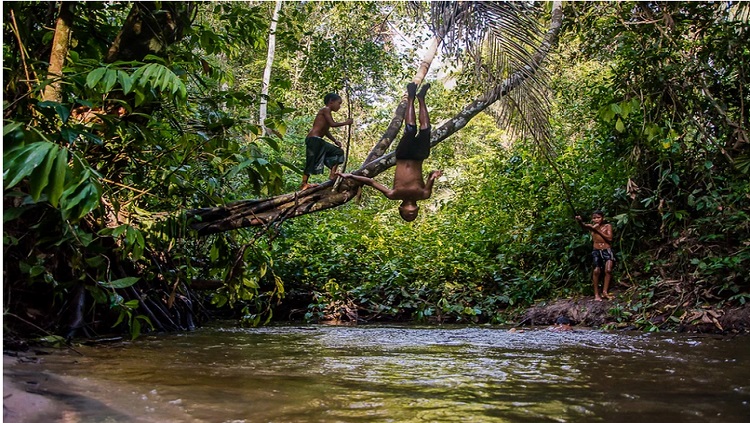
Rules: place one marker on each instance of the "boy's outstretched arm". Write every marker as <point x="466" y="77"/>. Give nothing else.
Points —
<point x="369" y="181"/>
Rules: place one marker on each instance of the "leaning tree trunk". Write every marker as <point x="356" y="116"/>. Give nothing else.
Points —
<point x="60" y="44"/>
<point x="398" y="117"/>
<point x="273" y="211"/>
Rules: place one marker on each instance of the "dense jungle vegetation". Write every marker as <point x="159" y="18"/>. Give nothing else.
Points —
<point x="120" y="118"/>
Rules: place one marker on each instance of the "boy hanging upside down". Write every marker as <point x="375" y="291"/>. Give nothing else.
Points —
<point x="318" y="152"/>
<point x="412" y="150"/>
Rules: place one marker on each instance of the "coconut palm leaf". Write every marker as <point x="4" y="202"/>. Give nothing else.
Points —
<point x="495" y="40"/>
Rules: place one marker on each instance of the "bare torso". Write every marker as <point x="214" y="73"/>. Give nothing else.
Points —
<point x="599" y="242"/>
<point x="321" y="124"/>
<point x="407" y="181"/>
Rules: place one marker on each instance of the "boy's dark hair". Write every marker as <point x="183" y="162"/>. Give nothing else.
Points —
<point x="562" y="320"/>
<point x="599" y="212"/>
<point x="331" y="97"/>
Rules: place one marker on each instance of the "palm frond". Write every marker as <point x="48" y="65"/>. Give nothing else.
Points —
<point x="496" y="41"/>
<point x="740" y="11"/>
<point x="495" y="38"/>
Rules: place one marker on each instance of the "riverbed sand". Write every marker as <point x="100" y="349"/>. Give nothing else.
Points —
<point x="20" y="403"/>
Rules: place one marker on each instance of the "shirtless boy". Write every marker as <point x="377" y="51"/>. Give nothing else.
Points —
<point x="412" y="150"/>
<point x="604" y="258"/>
<point x="318" y="152"/>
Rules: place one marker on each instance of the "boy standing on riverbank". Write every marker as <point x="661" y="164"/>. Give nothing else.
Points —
<point x="604" y="258"/>
<point x="318" y="152"/>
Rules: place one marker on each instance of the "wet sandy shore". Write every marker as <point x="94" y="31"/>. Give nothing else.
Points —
<point x="33" y="394"/>
<point x="23" y="401"/>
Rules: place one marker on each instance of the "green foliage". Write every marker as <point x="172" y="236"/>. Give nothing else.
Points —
<point x="88" y="180"/>
<point x="498" y="232"/>
<point x="75" y="189"/>
<point x="150" y="81"/>
<point x="250" y="283"/>
<point x="471" y="255"/>
<point x="349" y="56"/>
<point x="127" y="312"/>
<point x="648" y="124"/>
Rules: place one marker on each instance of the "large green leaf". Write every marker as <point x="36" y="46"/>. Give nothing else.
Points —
<point x="120" y="283"/>
<point x="125" y="81"/>
<point x="12" y="127"/>
<point x="62" y="110"/>
<point x="158" y="77"/>
<point x="81" y="197"/>
<point x="20" y="164"/>
<point x="57" y="182"/>
<point x="95" y="76"/>
<point x="110" y="79"/>
<point x="40" y="177"/>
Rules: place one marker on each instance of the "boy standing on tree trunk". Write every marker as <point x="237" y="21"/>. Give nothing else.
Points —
<point x="412" y="150"/>
<point x="604" y="258"/>
<point x="319" y="152"/>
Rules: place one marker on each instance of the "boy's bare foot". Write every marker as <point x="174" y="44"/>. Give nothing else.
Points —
<point x="608" y="296"/>
<point x="597" y="298"/>
<point x="306" y="186"/>
<point x="411" y="89"/>
<point x="423" y="90"/>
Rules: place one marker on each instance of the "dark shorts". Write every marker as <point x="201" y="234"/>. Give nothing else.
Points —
<point x="601" y="257"/>
<point x="414" y="145"/>
<point x="319" y="153"/>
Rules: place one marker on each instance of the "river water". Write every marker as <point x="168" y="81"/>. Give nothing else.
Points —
<point x="405" y="374"/>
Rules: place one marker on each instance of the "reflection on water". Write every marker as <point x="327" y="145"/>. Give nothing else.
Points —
<point x="412" y="374"/>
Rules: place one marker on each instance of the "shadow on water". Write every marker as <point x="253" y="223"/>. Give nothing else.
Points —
<point x="413" y="374"/>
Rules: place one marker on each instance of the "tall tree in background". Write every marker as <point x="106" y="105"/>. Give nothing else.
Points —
<point x="269" y="65"/>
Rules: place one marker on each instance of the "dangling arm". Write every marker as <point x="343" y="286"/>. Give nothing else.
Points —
<point x="371" y="182"/>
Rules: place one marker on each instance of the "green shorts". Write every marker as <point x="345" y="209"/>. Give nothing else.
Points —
<point x="320" y="153"/>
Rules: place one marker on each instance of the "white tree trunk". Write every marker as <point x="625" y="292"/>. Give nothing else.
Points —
<point x="269" y="64"/>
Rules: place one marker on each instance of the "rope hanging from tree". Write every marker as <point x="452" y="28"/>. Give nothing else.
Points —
<point x="347" y="94"/>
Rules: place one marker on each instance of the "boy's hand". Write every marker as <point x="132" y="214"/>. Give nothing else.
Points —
<point x="436" y="174"/>
<point x="349" y="121"/>
<point x="579" y="218"/>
